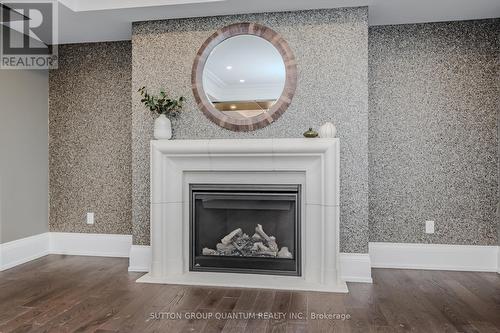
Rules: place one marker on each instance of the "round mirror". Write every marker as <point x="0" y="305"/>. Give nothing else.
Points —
<point x="244" y="77"/>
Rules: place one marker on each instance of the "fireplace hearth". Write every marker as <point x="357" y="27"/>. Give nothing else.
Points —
<point x="245" y="228"/>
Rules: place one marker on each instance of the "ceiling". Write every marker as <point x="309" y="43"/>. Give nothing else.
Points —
<point x="106" y="20"/>
<point x="249" y="58"/>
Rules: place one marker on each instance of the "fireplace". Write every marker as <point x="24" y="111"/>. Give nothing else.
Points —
<point x="245" y="228"/>
<point x="300" y="195"/>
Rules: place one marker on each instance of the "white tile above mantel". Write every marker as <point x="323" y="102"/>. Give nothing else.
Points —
<point x="312" y="163"/>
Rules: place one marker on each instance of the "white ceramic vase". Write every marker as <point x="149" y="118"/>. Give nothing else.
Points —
<point x="163" y="128"/>
<point x="327" y="130"/>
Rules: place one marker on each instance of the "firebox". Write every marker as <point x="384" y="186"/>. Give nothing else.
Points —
<point x="245" y="228"/>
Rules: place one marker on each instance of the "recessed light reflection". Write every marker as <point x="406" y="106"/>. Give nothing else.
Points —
<point x="242" y="81"/>
<point x="233" y="107"/>
<point x="229" y="68"/>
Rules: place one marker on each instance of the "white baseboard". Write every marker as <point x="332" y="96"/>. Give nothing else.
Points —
<point x="434" y="256"/>
<point x="498" y="259"/>
<point x="23" y="250"/>
<point x="140" y="258"/>
<point x="81" y="244"/>
<point x="355" y="267"/>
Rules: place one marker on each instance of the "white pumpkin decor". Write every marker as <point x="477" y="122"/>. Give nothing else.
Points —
<point x="327" y="130"/>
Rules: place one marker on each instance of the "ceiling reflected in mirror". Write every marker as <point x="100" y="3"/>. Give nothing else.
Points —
<point x="244" y="76"/>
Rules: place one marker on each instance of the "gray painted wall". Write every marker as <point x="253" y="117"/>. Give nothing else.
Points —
<point x="331" y="47"/>
<point x="433" y="140"/>
<point x="24" y="153"/>
<point x="90" y="147"/>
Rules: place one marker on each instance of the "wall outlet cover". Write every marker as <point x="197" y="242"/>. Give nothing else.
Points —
<point x="429" y="227"/>
<point x="90" y="218"/>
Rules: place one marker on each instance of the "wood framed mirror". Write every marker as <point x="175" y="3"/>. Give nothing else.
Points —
<point x="244" y="77"/>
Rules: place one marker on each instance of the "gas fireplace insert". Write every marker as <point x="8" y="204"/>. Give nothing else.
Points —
<point x="238" y="228"/>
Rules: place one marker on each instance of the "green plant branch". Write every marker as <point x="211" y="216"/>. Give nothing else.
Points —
<point x="161" y="104"/>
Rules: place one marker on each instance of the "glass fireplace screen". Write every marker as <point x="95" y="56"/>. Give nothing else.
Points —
<point x="245" y="228"/>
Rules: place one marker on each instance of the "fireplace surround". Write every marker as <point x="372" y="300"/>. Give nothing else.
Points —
<point x="313" y="164"/>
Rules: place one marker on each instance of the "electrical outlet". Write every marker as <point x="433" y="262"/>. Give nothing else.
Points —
<point x="90" y="218"/>
<point x="429" y="227"/>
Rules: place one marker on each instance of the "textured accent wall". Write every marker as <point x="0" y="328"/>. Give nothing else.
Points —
<point x="434" y="99"/>
<point x="90" y="138"/>
<point x="331" y="47"/>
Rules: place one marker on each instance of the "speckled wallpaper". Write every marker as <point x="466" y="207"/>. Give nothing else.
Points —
<point x="433" y="140"/>
<point x="90" y="163"/>
<point x="331" y="47"/>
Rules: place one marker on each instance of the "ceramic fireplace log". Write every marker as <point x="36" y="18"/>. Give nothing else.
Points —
<point x="285" y="253"/>
<point x="260" y="247"/>
<point x="262" y="250"/>
<point x="241" y="244"/>
<point x="271" y="241"/>
<point x="226" y="249"/>
<point x="272" y="244"/>
<point x="256" y="237"/>
<point x="208" y="252"/>
<point x="261" y="233"/>
<point x="239" y="248"/>
<point x="228" y="239"/>
<point x="268" y="253"/>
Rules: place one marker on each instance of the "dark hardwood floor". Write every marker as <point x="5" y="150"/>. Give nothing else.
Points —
<point x="89" y="294"/>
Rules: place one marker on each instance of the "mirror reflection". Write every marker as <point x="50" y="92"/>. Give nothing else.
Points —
<point x="244" y="76"/>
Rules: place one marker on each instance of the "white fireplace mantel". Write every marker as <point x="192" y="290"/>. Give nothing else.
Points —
<point x="313" y="163"/>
